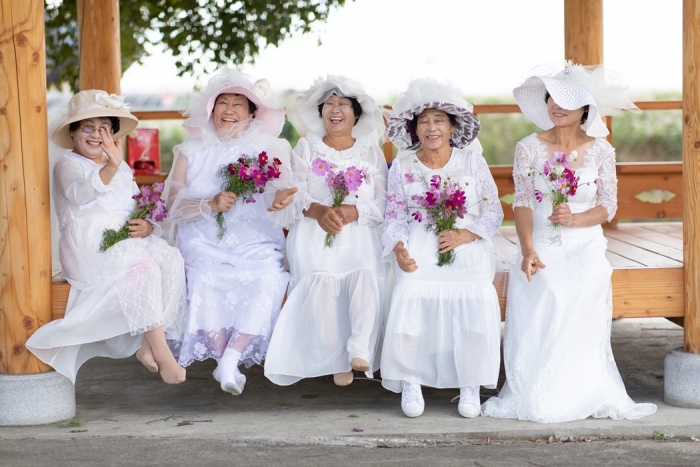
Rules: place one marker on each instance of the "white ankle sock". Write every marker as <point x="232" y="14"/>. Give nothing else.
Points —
<point x="230" y="359"/>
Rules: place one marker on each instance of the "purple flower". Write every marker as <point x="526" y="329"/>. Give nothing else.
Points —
<point x="320" y="167"/>
<point x="431" y="198"/>
<point x="158" y="188"/>
<point x="435" y="182"/>
<point x="241" y="160"/>
<point x="244" y="173"/>
<point x="273" y="171"/>
<point x="353" y="178"/>
<point x="417" y="216"/>
<point x="539" y="196"/>
<point x="231" y="169"/>
<point x="262" y="159"/>
<point x="332" y="180"/>
<point x="277" y="161"/>
<point x="409" y="177"/>
<point x="250" y="200"/>
<point x="546" y="168"/>
<point x="259" y="177"/>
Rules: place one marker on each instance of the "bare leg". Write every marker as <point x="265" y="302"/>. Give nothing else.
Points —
<point x="170" y="371"/>
<point x="145" y="356"/>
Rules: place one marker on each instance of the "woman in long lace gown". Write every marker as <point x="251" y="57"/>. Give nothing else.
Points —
<point x="130" y="297"/>
<point x="332" y="320"/>
<point x="558" y="360"/>
<point x="235" y="285"/>
<point x="443" y="328"/>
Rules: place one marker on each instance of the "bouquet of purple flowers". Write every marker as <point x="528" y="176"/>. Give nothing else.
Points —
<point x="341" y="183"/>
<point x="149" y="205"/>
<point x="245" y="177"/>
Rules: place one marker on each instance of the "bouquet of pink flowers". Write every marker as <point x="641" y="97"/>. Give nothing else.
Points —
<point x="245" y="177"/>
<point x="341" y="183"/>
<point x="562" y="182"/>
<point x="444" y="203"/>
<point x="149" y="205"/>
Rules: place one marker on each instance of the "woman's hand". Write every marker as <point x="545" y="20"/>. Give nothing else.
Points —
<point x="531" y="262"/>
<point x="326" y="217"/>
<point x="139" y="228"/>
<point x="223" y="201"/>
<point x="113" y="149"/>
<point x="561" y="214"/>
<point x="451" y="239"/>
<point x="406" y="263"/>
<point x="283" y="198"/>
<point x="347" y="212"/>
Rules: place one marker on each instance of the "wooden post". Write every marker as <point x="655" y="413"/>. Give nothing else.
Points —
<point x="691" y="174"/>
<point x="583" y="31"/>
<point x="25" y="230"/>
<point x="100" y="45"/>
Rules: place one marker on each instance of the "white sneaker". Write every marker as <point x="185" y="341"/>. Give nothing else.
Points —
<point x="412" y="402"/>
<point x="469" y="402"/>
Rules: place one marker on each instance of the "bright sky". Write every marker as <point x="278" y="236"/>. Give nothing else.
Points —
<point x="486" y="47"/>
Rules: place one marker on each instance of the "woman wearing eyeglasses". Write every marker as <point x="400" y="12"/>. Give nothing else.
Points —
<point x="130" y="298"/>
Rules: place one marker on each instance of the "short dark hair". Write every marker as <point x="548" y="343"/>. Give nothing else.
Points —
<point x="453" y="120"/>
<point x="356" y="109"/>
<point x="251" y="105"/>
<point x="584" y="117"/>
<point x="113" y="120"/>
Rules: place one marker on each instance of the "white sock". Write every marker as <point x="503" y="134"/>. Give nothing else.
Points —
<point x="229" y="361"/>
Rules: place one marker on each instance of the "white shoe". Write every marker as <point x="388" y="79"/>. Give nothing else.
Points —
<point x="469" y="402"/>
<point x="412" y="402"/>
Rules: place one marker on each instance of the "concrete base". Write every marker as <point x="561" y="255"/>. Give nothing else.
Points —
<point x="682" y="379"/>
<point x="36" y="399"/>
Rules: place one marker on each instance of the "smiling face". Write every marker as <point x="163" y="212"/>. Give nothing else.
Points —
<point x="433" y="128"/>
<point x="90" y="145"/>
<point x="562" y="117"/>
<point x="230" y="109"/>
<point x="338" y="115"/>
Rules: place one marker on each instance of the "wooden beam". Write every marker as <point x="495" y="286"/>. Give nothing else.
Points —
<point x="99" y="45"/>
<point x="583" y="31"/>
<point x="691" y="174"/>
<point x="25" y="244"/>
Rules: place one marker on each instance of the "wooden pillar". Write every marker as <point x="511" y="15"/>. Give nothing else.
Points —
<point x="25" y="230"/>
<point x="691" y="173"/>
<point x="100" y="46"/>
<point x="583" y="31"/>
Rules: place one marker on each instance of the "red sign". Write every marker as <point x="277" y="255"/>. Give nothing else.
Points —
<point x="143" y="151"/>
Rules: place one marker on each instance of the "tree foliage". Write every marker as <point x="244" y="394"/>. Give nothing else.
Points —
<point x="201" y="34"/>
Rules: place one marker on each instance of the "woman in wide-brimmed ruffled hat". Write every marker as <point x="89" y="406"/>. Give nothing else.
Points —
<point x="332" y="319"/>
<point x="443" y="328"/>
<point x="235" y="283"/>
<point x="556" y="348"/>
<point x="130" y="297"/>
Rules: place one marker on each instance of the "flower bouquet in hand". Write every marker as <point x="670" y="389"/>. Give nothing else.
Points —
<point x="562" y="182"/>
<point x="443" y="203"/>
<point x="244" y="178"/>
<point x="341" y="183"/>
<point x="149" y="205"/>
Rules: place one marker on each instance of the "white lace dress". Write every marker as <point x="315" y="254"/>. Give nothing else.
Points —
<point x="443" y="328"/>
<point x="236" y="285"/>
<point x="117" y="295"/>
<point x="556" y="349"/>
<point x="337" y="296"/>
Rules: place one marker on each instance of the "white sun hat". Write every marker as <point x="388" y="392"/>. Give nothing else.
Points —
<point x="94" y="103"/>
<point x="305" y="116"/>
<point x="573" y="87"/>
<point x="270" y="111"/>
<point x="425" y="94"/>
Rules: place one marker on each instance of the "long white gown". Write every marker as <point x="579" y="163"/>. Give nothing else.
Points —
<point x="443" y="328"/>
<point x="558" y="360"/>
<point x="336" y="301"/>
<point x="117" y="295"/>
<point x="236" y="285"/>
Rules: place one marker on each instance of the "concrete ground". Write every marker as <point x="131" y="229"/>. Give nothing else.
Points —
<point x="122" y="409"/>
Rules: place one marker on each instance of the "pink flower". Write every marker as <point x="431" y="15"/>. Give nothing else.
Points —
<point x="546" y="168"/>
<point x="417" y="216"/>
<point x="259" y="177"/>
<point x="158" y="187"/>
<point x="320" y="167"/>
<point x="431" y="198"/>
<point x="353" y="178"/>
<point x="539" y="196"/>
<point x="435" y="182"/>
<point x="277" y="161"/>
<point x="273" y="172"/>
<point x="458" y="198"/>
<point x="244" y="173"/>
<point x="391" y="215"/>
<point x="410" y="178"/>
<point x="333" y="180"/>
<point x="262" y="159"/>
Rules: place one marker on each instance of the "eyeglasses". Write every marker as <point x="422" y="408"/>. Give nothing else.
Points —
<point x="90" y="129"/>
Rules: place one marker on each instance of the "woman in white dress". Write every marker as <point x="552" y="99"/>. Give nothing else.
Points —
<point x="130" y="297"/>
<point x="443" y="328"/>
<point x="332" y="319"/>
<point x="558" y="360"/>
<point x="235" y="285"/>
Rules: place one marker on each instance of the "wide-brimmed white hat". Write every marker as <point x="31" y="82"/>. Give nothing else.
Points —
<point x="573" y="87"/>
<point x="94" y="103"/>
<point x="306" y="106"/>
<point x="425" y="94"/>
<point x="269" y="111"/>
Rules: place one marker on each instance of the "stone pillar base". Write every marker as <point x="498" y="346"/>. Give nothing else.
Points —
<point x="36" y="399"/>
<point x="682" y="379"/>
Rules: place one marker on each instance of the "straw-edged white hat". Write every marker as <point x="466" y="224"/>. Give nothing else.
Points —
<point x="573" y="87"/>
<point x="94" y="103"/>
<point x="425" y="94"/>
<point x="230" y="81"/>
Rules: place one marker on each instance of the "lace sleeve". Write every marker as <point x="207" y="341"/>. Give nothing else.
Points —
<point x="181" y="207"/>
<point x="72" y="183"/>
<point x="491" y="210"/>
<point x="396" y="217"/>
<point x="524" y="181"/>
<point x="607" y="182"/>
<point x="372" y="212"/>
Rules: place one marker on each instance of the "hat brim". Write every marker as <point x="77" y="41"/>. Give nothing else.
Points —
<point x="127" y="122"/>
<point x="401" y="132"/>
<point x="272" y="117"/>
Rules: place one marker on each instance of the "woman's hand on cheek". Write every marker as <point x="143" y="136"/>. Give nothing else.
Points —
<point x="113" y="149"/>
